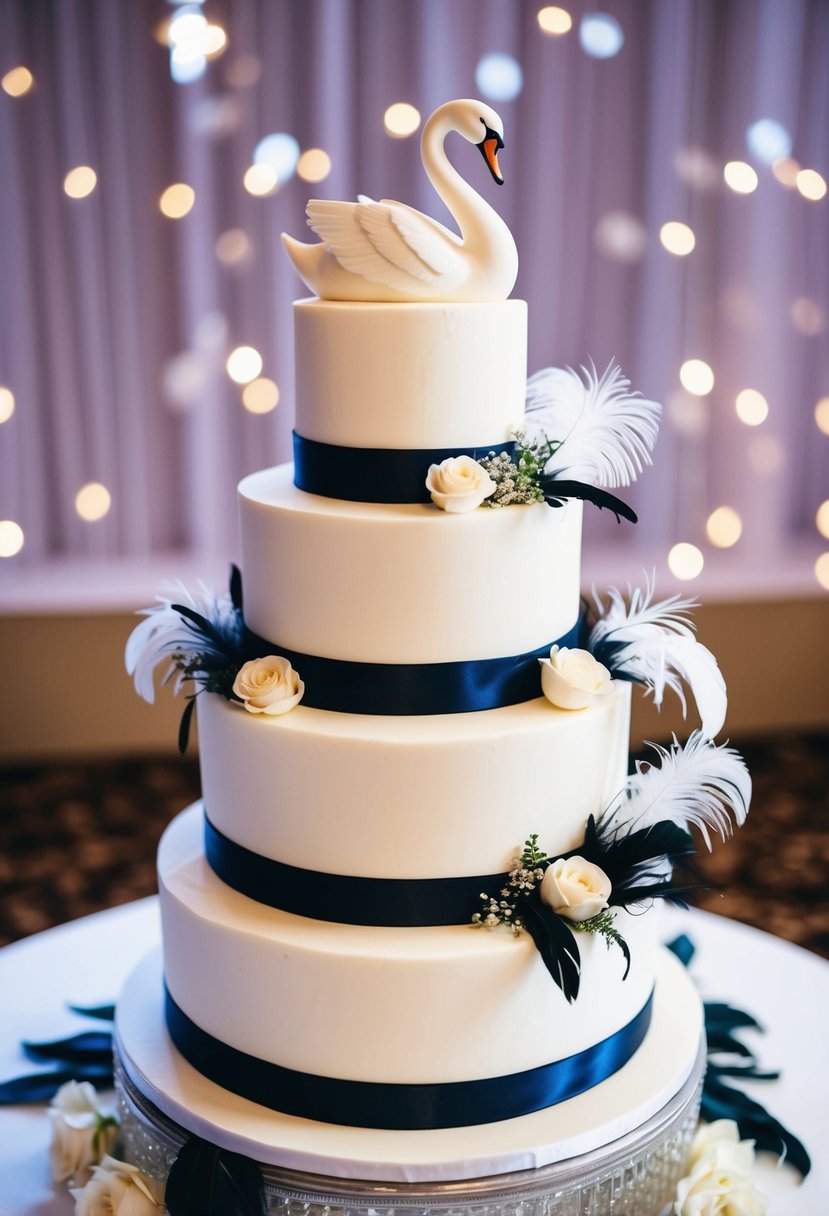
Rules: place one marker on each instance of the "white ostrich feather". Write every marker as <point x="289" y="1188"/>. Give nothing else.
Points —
<point x="163" y="633"/>
<point x="700" y="785"/>
<point x="641" y="612"/>
<point x="654" y="643"/>
<point x="604" y="431"/>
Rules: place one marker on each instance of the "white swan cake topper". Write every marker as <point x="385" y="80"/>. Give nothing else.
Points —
<point x="387" y="251"/>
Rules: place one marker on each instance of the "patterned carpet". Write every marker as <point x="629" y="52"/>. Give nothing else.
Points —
<point x="76" y="838"/>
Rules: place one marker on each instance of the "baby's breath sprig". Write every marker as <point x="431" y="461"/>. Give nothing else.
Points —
<point x="518" y="480"/>
<point x="527" y="871"/>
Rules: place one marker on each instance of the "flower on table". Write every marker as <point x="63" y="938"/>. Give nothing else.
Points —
<point x="268" y="686"/>
<point x="81" y="1132"/>
<point x="718" y="1183"/>
<point x="459" y="484"/>
<point x="575" y="888"/>
<point x="721" y="1139"/>
<point x="118" y="1189"/>
<point x="573" y="679"/>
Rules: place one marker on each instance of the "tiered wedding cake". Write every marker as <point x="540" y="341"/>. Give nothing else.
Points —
<point x="402" y="689"/>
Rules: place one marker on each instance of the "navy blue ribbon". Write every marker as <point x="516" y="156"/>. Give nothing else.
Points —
<point x="403" y="689"/>
<point x="402" y="1107"/>
<point x="341" y="898"/>
<point x="373" y="474"/>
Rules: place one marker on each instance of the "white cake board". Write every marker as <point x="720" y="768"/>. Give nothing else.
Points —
<point x="589" y="1121"/>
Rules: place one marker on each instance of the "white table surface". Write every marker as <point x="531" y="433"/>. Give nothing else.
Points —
<point x="86" y="961"/>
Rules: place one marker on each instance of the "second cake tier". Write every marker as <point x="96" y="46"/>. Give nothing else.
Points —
<point x="396" y="584"/>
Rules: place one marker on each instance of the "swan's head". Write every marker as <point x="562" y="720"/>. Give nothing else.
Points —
<point x="480" y="125"/>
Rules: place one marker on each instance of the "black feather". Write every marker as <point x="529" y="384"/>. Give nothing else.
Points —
<point x="205" y="1180"/>
<point x="674" y="893"/>
<point x="555" y="491"/>
<point x="722" y="1020"/>
<point x="555" y="942"/>
<point x="184" y="725"/>
<point x="200" y="623"/>
<point x="721" y="1101"/>
<point x="635" y="862"/>
<point x="683" y="948"/>
<point x="88" y="1047"/>
<point x="225" y="644"/>
<point x="41" y="1086"/>
<point x="236" y="588"/>
<point x="106" y="1013"/>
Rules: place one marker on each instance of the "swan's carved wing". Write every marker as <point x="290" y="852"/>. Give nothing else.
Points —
<point x="339" y="228"/>
<point x="427" y="221"/>
<point x="375" y="241"/>
<point x="435" y="245"/>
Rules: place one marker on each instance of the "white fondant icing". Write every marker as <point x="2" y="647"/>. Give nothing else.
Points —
<point x="423" y="797"/>
<point x="598" y="1117"/>
<point x="404" y="583"/>
<point x="410" y="375"/>
<point x="449" y="1003"/>
<point x="388" y="251"/>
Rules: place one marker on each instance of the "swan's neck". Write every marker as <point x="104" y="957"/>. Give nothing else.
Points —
<point x="481" y="227"/>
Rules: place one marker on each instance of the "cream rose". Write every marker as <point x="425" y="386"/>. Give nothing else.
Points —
<point x="717" y="1188"/>
<point x="721" y="1139"/>
<point x="574" y="888"/>
<point x="571" y="679"/>
<point x="118" y="1189"/>
<point x="459" y="484"/>
<point x="268" y="686"/>
<point x="81" y="1132"/>
<point x="718" y="1184"/>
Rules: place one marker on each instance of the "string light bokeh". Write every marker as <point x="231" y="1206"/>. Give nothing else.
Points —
<point x="661" y="265"/>
<point x="400" y="120"/>
<point x="177" y="200"/>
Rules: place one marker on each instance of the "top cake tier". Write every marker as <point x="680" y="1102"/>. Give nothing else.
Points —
<point x="404" y="376"/>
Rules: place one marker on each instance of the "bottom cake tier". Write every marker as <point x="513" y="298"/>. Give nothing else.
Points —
<point x="623" y="1145"/>
<point x="412" y="1028"/>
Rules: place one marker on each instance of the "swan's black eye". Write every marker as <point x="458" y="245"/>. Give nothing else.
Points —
<point x="490" y="134"/>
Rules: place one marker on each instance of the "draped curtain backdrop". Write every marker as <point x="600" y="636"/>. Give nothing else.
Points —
<point x="115" y="321"/>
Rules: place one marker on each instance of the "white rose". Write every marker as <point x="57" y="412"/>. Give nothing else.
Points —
<point x="723" y="1137"/>
<point x="81" y="1132"/>
<point x="118" y="1189"/>
<point x="268" y="686"/>
<point x="575" y="888"/>
<point x="571" y="679"/>
<point x="459" y="484"/>
<point x="716" y="1188"/>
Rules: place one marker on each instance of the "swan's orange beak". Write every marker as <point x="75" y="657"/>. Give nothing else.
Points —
<point x="490" y="146"/>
